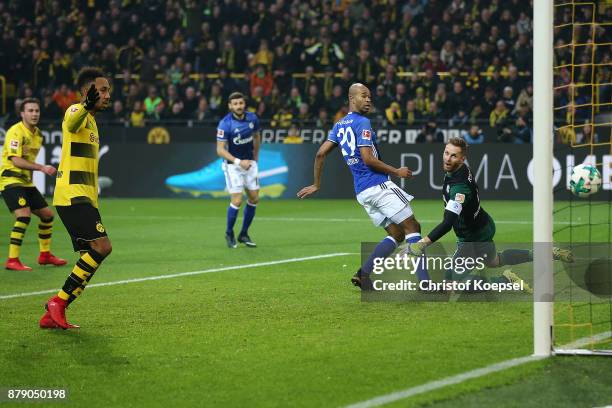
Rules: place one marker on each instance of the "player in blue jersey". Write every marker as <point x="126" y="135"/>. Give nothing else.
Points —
<point x="238" y="142"/>
<point x="387" y="205"/>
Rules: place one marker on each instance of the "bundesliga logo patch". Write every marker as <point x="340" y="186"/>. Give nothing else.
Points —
<point x="366" y="134"/>
<point x="220" y="133"/>
<point x="460" y="198"/>
<point x="14" y="144"/>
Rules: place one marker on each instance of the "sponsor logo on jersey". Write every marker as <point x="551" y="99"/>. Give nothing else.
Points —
<point x="460" y="198"/>
<point x="366" y="134"/>
<point x="220" y="133"/>
<point x="239" y="141"/>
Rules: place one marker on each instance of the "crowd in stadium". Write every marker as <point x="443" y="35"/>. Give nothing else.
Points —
<point x="428" y="63"/>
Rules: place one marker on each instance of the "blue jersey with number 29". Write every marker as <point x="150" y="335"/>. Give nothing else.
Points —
<point x="350" y="133"/>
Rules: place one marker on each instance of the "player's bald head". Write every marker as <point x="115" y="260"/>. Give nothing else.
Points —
<point x="359" y="98"/>
<point x="357" y="88"/>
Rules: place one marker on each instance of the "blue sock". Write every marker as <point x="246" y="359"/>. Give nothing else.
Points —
<point x="421" y="271"/>
<point x="249" y="214"/>
<point x="382" y="250"/>
<point x="232" y="214"/>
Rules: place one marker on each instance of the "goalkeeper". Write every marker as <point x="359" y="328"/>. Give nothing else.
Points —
<point x="473" y="226"/>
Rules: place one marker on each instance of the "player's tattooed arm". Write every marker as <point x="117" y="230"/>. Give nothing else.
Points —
<point x="324" y="150"/>
<point x="372" y="161"/>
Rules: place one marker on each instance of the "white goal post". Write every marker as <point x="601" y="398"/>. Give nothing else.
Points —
<point x="543" y="177"/>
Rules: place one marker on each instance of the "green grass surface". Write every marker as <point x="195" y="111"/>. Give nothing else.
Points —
<point x="292" y="334"/>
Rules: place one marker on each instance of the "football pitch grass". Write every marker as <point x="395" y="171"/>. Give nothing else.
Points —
<point x="290" y="333"/>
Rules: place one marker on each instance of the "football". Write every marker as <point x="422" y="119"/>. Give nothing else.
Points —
<point x="585" y="180"/>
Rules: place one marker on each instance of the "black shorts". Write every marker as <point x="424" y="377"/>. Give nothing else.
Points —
<point x="472" y="250"/>
<point x="485" y="250"/>
<point x="83" y="223"/>
<point x="17" y="197"/>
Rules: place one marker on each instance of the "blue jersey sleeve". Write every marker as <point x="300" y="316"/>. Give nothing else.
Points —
<point x="223" y="130"/>
<point x="332" y="136"/>
<point x="257" y="125"/>
<point x="364" y="133"/>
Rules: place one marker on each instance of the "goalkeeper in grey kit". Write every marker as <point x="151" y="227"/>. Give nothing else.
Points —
<point x="473" y="226"/>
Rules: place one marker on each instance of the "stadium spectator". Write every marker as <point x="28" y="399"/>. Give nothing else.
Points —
<point x="130" y="56"/>
<point x="323" y="120"/>
<point x="412" y="116"/>
<point x="263" y="56"/>
<point x="508" y="99"/>
<point x="293" y="136"/>
<point x="459" y="120"/>
<point x="375" y="42"/>
<point x="216" y="101"/>
<point x="430" y="133"/>
<point x="522" y="130"/>
<point x="154" y="104"/>
<point x="393" y="113"/>
<point x="202" y="112"/>
<point x="473" y="136"/>
<point x="261" y="77"/>
<point x="585" y="134"/>
<point x="49" y="109"/>
<point x="64" y="97"/>
<point x="137" y="116"/>
<point x="282" y="118"/>
<point x="119" y="115"/>
<point x="499" y="114"/>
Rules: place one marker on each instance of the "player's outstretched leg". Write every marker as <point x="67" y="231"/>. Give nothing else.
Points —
<point x="382" y="250"/>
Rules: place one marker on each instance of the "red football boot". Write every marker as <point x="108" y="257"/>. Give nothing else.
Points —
<point x="47" y="258"/>
<point x="56" y="308"/>
<point x="14" y="264"/>
<point x="46" y="322"/>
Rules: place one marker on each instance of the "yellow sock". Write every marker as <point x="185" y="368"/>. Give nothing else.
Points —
<point x="17" y="233"/>
<point x="80" y="276"/>
<point x="45" y="229"/>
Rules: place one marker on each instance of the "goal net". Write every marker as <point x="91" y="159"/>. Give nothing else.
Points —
<point x="582" y="119"/>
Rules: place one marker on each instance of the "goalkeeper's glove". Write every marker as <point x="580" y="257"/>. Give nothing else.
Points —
<point x="91" y="98"/>
<point x="414" y="249"/>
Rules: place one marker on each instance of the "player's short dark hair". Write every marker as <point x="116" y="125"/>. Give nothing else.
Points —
<point x="26" y="101"/>
<point x="459" y="142"/>
<point x="87" y="75"/>
<point x="236" y="95"/>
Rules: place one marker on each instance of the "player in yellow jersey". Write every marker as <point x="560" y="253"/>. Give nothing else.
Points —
<point x="21" y="146"/>
<point x="76" y="192"/>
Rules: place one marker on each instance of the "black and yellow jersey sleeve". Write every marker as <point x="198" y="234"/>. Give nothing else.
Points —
<point x="77" y="175"/>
